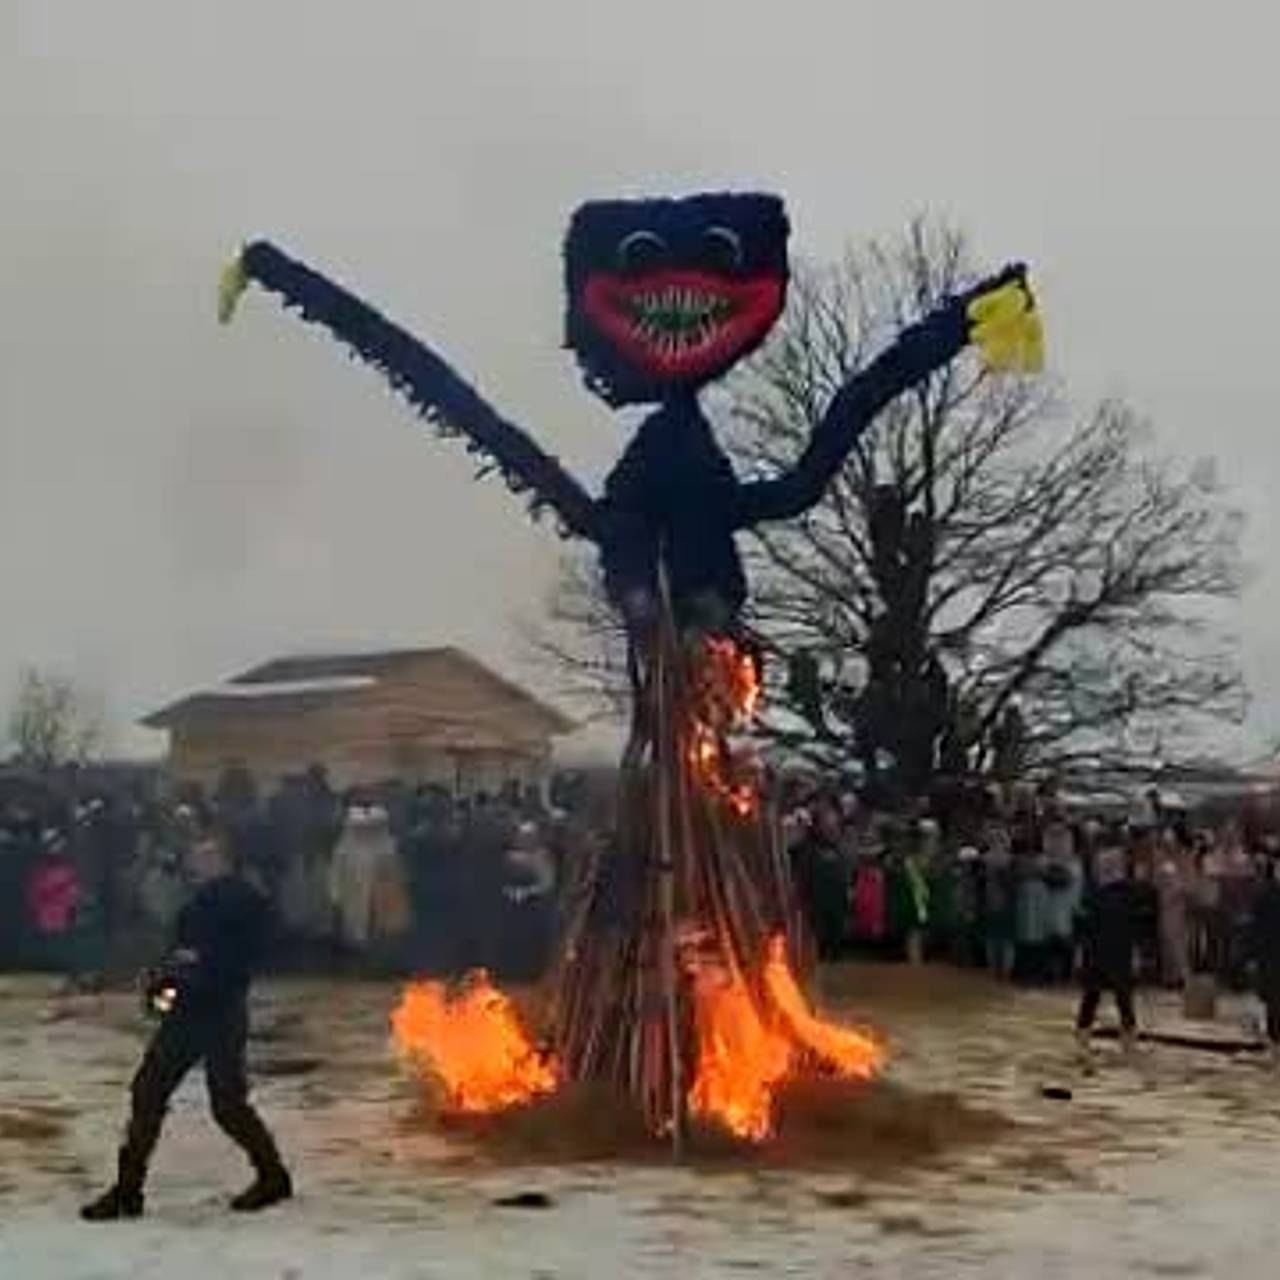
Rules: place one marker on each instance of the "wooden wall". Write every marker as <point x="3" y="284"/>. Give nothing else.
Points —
<point x="433" y="719"/>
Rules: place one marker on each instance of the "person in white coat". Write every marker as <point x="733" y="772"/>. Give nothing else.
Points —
<point x="365" y="840"/>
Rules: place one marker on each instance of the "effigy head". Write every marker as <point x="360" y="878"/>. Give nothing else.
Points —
<point x="667" y="295"/>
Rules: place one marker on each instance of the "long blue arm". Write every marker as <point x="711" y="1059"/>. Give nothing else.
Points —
<point x="427" y="381"/>
<point x="918" y="351"/>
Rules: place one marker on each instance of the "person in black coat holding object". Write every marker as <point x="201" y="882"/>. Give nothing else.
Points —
<point x="201" y="992"/>
<point x="1109" y="933"/>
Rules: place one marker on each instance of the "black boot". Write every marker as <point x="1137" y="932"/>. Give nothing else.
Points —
<point x="113" y="1205"/>
<point x="124" y="1199"/>
<point x="270" y="1187"/>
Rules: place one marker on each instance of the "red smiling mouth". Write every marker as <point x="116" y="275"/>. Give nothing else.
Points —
<point x="682" y="324"/>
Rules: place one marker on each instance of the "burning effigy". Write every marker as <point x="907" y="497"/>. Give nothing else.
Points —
<point x="678" y="983"/>
<point x="676" y="988"/>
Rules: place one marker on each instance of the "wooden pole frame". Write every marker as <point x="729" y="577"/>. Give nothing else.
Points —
<point x="667" y="742"/>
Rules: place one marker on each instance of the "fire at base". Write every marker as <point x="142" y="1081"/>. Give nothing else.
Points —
<point x="740" y="1025"/>
<point x="469" y="1043"/>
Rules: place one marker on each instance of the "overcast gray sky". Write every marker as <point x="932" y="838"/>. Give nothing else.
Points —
<point x="177" y="501"/>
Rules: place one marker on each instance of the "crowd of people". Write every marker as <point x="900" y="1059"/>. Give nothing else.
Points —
<point x="1005" y="883"/>
<point x="91" y="880"/>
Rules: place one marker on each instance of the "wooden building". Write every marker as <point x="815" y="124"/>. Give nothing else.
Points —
<point x="419" y="715"/>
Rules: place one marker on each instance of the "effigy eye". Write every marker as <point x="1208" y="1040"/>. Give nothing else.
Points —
<point x="640" y="251"/>
<point x="723" y="248"/>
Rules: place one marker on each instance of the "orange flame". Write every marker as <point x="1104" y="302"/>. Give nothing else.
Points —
<point x="746" y="1051"/>
<point x="741" y="1058"/>
<point x="846" y="1052"/>
<point x="471" y="1041"/>
<point x="728" y="695"/>
<point x="733" y="674"/>
<point x="712" y="769"/>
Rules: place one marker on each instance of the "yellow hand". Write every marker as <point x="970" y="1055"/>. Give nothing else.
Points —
<point x="232" y="282"/>
<point x="1006" y="329"/>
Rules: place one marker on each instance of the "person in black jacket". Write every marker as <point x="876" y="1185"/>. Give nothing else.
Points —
<point x="1266" y="952"/>
<point x="202" y="992"/>
<point x="1109" y="934"/>
<point x="822" y="878"/>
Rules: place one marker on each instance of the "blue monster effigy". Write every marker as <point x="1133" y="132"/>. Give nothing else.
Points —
<point x="664" y="297"/>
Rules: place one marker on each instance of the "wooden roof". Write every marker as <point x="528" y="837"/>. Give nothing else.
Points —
<point x="305" y="681"/>
<point x="330" y="666"/>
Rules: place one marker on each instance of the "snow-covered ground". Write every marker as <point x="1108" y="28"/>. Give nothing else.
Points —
<point x="1170" y="1168"/>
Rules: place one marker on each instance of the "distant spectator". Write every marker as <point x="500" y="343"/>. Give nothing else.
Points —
<point x="1109" y="935"/>
<point x="998" y="899"/>
<point x="822" y="878"/>
<point x="1266" y="951"/>
<point x="1173" y="887"/>
<point x="1064" y="880"/>
<point x="1031" y="925"/>
<point x="528" y="910"/>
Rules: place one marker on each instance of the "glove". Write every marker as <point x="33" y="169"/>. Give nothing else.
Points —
<point x="1005" y="325"/>
<point x="232" y="282"/>
<point x="165" y="986"/>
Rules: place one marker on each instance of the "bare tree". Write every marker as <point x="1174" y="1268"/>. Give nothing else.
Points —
<point x="987" y="583"/>
<point x="52" y="721"/>
<point x="582" y="640"/>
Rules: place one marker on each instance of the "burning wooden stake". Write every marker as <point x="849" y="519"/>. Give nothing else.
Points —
<point x="675" y="984"/>
<point x="666" y="736"/>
